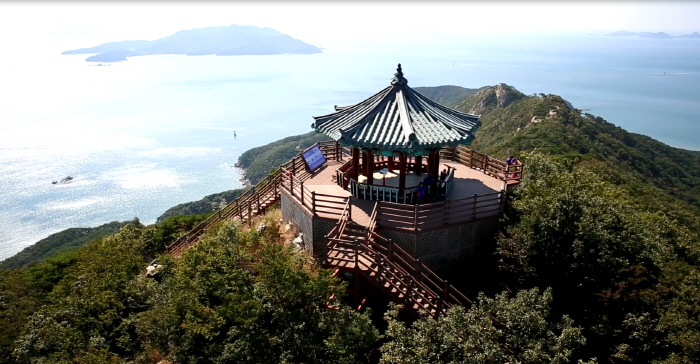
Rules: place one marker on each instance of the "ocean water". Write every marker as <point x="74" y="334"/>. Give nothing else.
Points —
<point x="143" y="135"/>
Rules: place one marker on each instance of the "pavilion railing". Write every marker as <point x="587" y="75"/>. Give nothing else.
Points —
<point x="435" y="215"/>
<point x="328" y="206"/>
<point x="398" y="205"/>
<point x="482" y="162"/>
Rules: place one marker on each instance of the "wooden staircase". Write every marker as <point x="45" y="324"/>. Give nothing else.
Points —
<point x="387" y="266"/>
<point x="253" y="202"/>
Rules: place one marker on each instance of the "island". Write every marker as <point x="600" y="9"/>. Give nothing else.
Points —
<point x="232" y="40"/>
<point x="657" y="35"/>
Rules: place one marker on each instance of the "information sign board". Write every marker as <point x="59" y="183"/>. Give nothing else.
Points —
<point x="314" y="158"/>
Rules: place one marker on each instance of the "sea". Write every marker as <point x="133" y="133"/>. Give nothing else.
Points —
<point x="152" y="132"/>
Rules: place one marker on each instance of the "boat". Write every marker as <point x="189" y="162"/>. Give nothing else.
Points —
<point x="63" y="181"/>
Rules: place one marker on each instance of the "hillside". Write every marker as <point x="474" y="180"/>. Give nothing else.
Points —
<point x="54" y="244"/>
<point x="205" y="205"/>
<point x="229" y="40"/>
<point x="448" y="95"/>
<point x="513" y="123"/>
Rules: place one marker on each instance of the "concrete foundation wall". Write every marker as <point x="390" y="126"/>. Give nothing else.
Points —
<point x="437" y="246"/>
<point x="432" y="248"/>
<point x="294" y="214"/>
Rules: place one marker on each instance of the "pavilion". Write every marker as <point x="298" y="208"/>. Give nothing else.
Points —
<point x="389" y="129"/>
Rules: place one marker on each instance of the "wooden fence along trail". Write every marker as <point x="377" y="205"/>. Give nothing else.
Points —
<point x="361" y="249"/>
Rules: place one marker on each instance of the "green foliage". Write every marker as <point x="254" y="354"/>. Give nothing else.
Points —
<point x="237" y="296"/>
<point x="89" y="310"/>
<point x="45" y="275"/>
<point x="258" y="162"/>
<point x="524" y="332"/>
<point x="204" y="206"/>
<point x="157" y="237"/>
<point x="18" y="301"/>
<point x="241" y="297"/>
<point x="621" y="272"/>
<point x="69" y="239"/>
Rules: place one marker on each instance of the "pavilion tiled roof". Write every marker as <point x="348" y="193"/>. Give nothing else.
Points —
<point x="398" y="118"/>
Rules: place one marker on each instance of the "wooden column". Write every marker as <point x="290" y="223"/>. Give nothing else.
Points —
<point x="369" y="166"/>
<point x="391" y="163"/>
<point x="402" y="171"/>
<point x="355" y="163"/>
<point x="419" y="161"/>
<point x="436" y="170"/>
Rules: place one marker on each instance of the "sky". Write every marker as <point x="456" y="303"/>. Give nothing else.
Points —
<point x="67" y="25"/>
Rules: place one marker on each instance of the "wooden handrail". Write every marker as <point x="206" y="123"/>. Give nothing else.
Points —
<point x="489" y="165"/>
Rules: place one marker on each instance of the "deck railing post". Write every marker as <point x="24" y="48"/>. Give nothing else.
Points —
<point x="257" y="199"/>
<point x="349" y="207"/>
<point x="416" y="269"/>
<point x="415" y="217"/>
<point x="391" y="250"/>
<point x="502" y="200"/>
<point x="240" y="211"/>
<point x="443" y="298"/>
<point x="313" y="202"/>
<point x="474" y="206"/>
<point x="291" y="184"/>
<point x="301" y="190"/>
<point x="471" y="158"/>
<point x="407" y="283"/>
<point x="219" y="213"/>
<point x="356" y="254"/>
<point x="250" y="213"/>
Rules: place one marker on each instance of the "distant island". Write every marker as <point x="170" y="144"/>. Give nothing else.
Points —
<point x="657" y="35"/>
<point x="232" y="40"/>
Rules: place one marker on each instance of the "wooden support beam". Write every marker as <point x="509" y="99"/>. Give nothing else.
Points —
<point x="419" y="166"/>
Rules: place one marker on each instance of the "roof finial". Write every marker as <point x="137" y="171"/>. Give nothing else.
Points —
<point x="398" y="79"/>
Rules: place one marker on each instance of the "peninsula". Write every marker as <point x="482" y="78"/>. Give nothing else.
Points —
<point x="232" y="40"/>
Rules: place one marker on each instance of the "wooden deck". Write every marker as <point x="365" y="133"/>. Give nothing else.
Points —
<point x="467" y="182"/>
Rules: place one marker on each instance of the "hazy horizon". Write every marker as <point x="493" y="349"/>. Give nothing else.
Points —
<point x="80" y="24"/>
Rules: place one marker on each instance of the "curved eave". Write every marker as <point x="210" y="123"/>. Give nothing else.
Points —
<point x="398" y="118"/>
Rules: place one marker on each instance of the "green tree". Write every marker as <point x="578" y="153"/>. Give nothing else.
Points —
<point x="523" y="332"/>
<point x="239" y="296"/>
<point x="616" y="268"/>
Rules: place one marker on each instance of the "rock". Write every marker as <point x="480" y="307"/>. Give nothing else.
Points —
<point x="299" y="241"/>
<point x="153" y="269"/>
